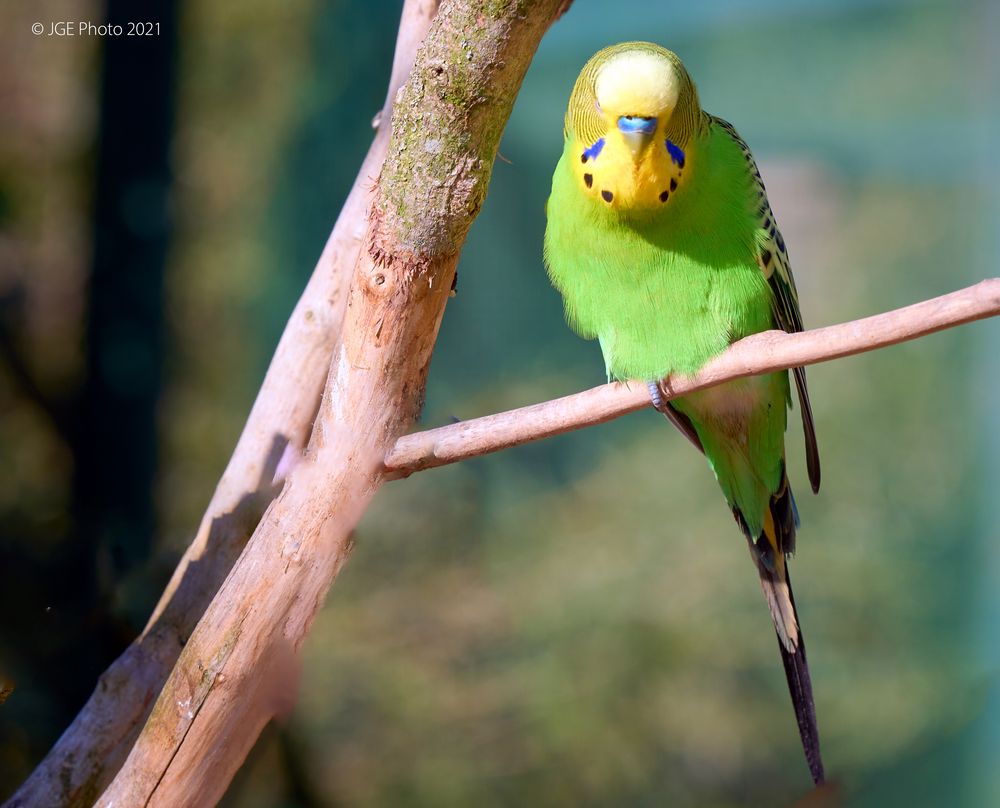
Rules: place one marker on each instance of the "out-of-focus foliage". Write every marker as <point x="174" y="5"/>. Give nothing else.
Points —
<point x="573" y="622"/>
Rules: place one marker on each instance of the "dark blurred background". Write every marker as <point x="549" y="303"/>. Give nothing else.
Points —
<point x="569" y="623"/>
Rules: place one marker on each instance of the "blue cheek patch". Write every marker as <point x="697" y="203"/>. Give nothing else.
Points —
<point x="676" y="153"/>
<point x="593" y="151"/>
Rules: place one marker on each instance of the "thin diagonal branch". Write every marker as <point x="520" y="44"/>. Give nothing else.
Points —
<point x="760" y="353"/>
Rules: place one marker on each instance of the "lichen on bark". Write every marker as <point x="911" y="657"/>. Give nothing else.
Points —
<point x="446" y="127"/>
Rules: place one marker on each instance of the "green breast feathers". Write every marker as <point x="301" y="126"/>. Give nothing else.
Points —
<point x="663" y="287"/>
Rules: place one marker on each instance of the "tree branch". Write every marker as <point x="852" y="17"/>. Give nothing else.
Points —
<point x="93" y="747"/>
<point x="238" y="667"/>
<point x="760" y="353"/>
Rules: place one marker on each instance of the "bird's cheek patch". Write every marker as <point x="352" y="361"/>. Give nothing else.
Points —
<point x="592" y="152"/>
<point x="676" y="153"/>
<point x="675" y="169"/>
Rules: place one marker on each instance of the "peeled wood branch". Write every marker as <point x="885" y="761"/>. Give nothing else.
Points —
<point x="234" y="673"/>
<point x="93" y="747"/>
<point x="760" y="353"/>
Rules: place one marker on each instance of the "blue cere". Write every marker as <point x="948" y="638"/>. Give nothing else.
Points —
<point x="676" y="153"/>
<point x="593" y="151"/>
<point x="630" y="124"/>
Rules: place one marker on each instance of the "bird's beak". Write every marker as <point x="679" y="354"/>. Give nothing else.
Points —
<point x="637" y="133"/>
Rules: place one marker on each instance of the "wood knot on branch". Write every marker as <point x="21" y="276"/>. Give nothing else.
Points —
<point x="388" y="256"/>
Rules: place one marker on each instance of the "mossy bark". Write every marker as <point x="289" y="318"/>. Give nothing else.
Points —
<point x="446" y="127"/>
<point x="225" y="686"/>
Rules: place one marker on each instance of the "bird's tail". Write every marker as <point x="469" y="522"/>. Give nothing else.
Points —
<point x="769" y="555"/>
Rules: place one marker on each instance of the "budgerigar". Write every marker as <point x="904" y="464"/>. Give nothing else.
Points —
<point x="662" y="242"/>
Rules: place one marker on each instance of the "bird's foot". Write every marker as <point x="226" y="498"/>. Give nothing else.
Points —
<point x="656" y="396"/>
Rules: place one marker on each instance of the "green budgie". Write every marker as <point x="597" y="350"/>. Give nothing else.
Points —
<point x="662" y="242"/>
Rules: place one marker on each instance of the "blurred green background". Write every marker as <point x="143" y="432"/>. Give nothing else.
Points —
<point x="569" y="623"/>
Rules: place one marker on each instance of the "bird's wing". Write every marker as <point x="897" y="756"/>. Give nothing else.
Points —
<point x="772" y="257"/>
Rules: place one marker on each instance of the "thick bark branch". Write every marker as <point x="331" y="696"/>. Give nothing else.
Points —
<point x="238" y="667"/>
<point x="93" y="747"/>
<point x="760" y="353"/>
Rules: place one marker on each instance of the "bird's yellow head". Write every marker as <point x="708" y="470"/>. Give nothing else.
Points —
<point x="632" y="116"/>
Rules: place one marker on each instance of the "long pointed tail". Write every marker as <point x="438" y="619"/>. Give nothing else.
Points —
<point x="793" y="656"/>
<point x="768" y="552"/>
